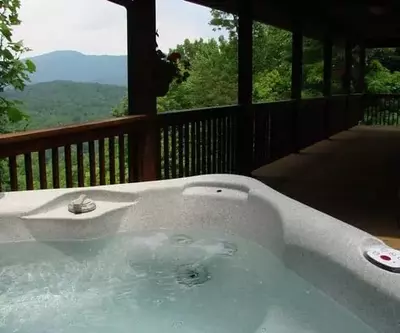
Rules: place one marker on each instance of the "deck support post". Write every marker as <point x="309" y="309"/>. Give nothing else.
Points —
<point x="328" y="66"/>
<point x="327" y="89"/>
<point x="244" y="143"/>
<point x="143" y="148"/>
<point x="348" y="55"/>
<point x="297" y="81"/>
<point x="361" y="81"/>
<point x="361" y="69"/>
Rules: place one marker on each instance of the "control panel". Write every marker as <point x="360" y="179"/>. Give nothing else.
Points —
<point x="385" y="257"/>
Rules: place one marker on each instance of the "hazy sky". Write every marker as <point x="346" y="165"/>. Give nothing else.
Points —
<point x="99" y="26"/>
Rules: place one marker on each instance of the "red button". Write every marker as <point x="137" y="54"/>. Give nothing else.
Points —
<point x="387" y="258"/>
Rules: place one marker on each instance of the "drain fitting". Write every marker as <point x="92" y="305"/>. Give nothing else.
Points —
<point x="192" y="274"/>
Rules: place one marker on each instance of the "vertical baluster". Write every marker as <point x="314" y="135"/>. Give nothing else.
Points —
<point x="387" y="110"/>
<point x="215" y="141"/>
<point x="131" y="159"/>
<point x="198" y="148"/>
<point x="187" y="149"/>
<point x="208" y="144"/>
<point x="391" y="115"/>
<point x="221" y="139"/>
<point x="222" y="128"/>
<point x="203" y="147"/>
<point x="232" y="139"/>
<point x="121" y="152"/>
<point x="68" y="165"/>
<point x="42" y="169"/>
<point x="193" y="148"/>
<point x="160" y="152"/>
<point x="102" y="163"/>
<point x="393" y="111"/>
<point x="173" y="151"/>
<point x="180" y="150"/>
<point x="111" y="159"/>
<point x="12" y="165"/>
<point x="134" y="169"/>
<point x="28" y="171"/>
<point x="228" y="144"/>
<point x="79" y="157"/>
<point x="55" y="168"/>
<point x="166" y="152"/>
<point x="397" y="111"/>
<point x="92" y="164"/>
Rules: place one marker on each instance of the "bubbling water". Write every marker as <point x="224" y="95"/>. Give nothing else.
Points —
<point x="160" y="282"/>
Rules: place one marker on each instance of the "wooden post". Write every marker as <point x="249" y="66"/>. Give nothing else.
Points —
<point x="361" y="70"/>
<point x="327" y="67"/>
<point x="244" y="152"/>
<point x="327" y="90"/>
<point x="348" y="67"/>
<point x="297" y="81"/>
<point x="297" y="63"/>
<point x="141" y="16"/>
<point x="348" y="55"/>
<point x="361" y="82"/>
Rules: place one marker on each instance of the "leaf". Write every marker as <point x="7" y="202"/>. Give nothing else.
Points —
<point x="7" y="54"/>
<point x="14" y="114"/>
<point x="31" y="67"/>
<point x="5" y="31"/>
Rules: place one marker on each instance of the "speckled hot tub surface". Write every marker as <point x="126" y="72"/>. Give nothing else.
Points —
<point x="205" y="254"/>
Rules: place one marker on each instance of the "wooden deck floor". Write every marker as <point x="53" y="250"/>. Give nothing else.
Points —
<point x="354" y="176"/>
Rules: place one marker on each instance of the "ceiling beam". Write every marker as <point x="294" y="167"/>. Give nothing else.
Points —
<point x="124" y="3"/>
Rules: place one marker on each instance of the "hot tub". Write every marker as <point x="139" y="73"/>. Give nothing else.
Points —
<point x="210" y="254"/>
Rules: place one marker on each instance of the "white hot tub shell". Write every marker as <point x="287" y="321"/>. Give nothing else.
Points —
<point x="327" y="252"/>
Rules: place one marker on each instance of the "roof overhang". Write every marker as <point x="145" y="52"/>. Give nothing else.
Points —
<point x="375" y="23"/>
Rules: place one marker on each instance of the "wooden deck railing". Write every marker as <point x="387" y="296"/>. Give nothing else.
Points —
<point x="189" y="143"/>
<point x="285" y="127"/>
<point x="197" y="142"/>
<point x="78" y="155"/>
<point x="382" y="109"/>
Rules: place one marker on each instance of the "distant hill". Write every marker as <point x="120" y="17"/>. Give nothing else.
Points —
<point x="78" y="67"/>
<point x="62" y="102"/>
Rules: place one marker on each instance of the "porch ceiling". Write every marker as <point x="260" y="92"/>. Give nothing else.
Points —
<point x="373" y="21"/>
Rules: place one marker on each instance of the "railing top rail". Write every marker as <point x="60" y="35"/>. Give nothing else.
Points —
<point x="26" y="142"/>
<point x="205" y="109"/>
<point x="382" y="95"/>
<point x="178" y="117"/>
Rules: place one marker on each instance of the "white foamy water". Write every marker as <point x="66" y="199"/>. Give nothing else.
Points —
<point x="160" y="282"/>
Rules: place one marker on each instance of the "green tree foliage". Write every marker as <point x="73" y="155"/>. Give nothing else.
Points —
<point x="14" y="72"/>
<point x="381" y="80"/>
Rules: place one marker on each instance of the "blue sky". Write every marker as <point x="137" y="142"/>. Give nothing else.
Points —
<point x="99" y="26"/>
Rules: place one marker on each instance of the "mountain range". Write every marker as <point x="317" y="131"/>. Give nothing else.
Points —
<point x="69" y="87"/>
<point x="78" y="67"/>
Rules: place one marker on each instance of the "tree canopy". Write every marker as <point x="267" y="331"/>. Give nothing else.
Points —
<point x="14" y="72"/>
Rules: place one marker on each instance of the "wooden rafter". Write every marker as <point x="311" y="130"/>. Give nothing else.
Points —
<point x="124" y="3"/>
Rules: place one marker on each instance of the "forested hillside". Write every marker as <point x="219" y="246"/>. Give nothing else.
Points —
<point x="61" y="102"/>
